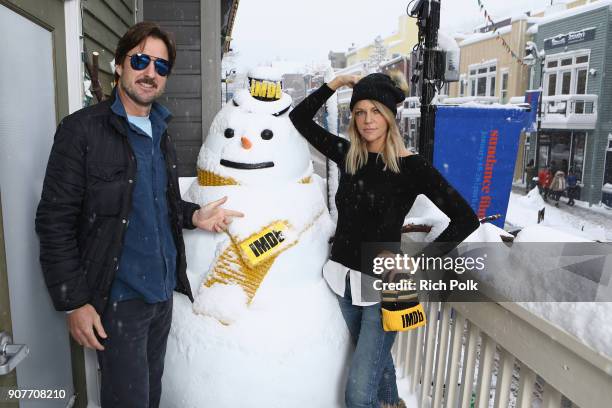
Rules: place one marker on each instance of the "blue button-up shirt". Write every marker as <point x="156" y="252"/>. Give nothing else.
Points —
<point x="147" y="267"/>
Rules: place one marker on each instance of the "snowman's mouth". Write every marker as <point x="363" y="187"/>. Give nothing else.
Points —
<point x="246" y="166"/>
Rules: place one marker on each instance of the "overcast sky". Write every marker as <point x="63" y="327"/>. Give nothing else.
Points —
<point x="304" y="31"/>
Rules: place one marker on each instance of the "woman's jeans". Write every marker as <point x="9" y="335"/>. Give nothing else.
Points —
<point x="371" y="379"/>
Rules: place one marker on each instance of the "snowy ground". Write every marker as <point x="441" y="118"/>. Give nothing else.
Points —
<point x="594" y="223"/>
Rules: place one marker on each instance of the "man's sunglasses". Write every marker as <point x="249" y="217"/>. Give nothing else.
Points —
<point x="141" y="61"/>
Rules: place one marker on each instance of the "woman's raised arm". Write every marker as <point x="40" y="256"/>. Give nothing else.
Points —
<point x="330" y="145"/>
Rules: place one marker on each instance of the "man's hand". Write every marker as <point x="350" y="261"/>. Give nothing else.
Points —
<point x="213" y="218"/>
<point x="343" y="80"/>
<point x="82" y="323"/>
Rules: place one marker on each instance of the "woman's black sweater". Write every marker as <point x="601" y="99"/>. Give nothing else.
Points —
<point x="373" y="203"/>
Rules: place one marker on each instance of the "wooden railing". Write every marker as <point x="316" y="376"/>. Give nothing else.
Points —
<point x="499" y="354"/>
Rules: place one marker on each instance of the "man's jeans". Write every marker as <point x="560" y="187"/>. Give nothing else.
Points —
<point x="133" y="360"/>
<point x="371" y="379"/>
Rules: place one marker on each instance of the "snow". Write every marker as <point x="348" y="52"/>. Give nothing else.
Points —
<point x="523" y="212"/>
<point x="333" y="176"/>
<point x="257" y="329"/>
<point x="292" y="329"/>
<point x="424" y="212"/>
<point x="586" y="321"/>
<point x="533" y="30"/>
<point x="574" y="11"/>
<point x="245" y="101"/>
<point x="475" y="38"/>
<point x="267" y="73"/>
<point x="226" y="303"/>
<point x="520" y="16"/>
<point x="488" y="106"/>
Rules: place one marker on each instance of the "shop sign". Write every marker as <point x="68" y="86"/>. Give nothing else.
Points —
<point x="573" y="37"/>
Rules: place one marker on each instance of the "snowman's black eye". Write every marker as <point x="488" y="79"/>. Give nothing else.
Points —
<point x="266" y="134"/>
<point x="229" y="133"/>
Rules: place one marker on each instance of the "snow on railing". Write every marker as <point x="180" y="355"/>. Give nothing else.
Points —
<point x="485" y="354"/>
<point x="487" y="100"/>
<point x="569" y="111"/>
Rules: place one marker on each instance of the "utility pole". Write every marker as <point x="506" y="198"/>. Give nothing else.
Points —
<point x="432" y="70"/>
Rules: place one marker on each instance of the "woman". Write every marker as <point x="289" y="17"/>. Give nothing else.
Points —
<point x="557" y="186"/>
<point x="544" y="180"/>
<point x="379" y="181"/>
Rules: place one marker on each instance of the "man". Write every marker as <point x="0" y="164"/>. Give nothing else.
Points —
<point x="530" y="174"/>
<point x="110" y="222"/>
<point x="544" y="179"/>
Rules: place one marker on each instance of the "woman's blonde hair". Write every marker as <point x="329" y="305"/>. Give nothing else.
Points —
<point x="357" y="155"/>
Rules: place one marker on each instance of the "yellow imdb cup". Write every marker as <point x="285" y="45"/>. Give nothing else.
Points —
<point x="403" y="320"/>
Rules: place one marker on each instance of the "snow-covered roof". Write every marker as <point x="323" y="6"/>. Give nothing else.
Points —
<point x="394" y="43"/>
<point x="532" y="30"/>
<point x="391" y="61"/>
<point x="356" y="68"/>
<point x="477" y="37"/>
<point x="519" y="17"/>
<point x="574" y="11"/>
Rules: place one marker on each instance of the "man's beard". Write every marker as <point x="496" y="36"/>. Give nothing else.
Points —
<point x="133" y="94"/>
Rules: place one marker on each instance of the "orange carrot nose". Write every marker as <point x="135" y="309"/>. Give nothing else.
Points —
<point x="246" y="143"/>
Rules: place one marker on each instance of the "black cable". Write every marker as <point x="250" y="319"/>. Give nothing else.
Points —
<point x="408" y="9"/>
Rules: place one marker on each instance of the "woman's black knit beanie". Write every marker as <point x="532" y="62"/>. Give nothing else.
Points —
<point x="378" y="87"/>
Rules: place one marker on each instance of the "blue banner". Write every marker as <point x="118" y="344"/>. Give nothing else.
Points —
<point x="532" y="98"/>
<point x="475" y="150"/>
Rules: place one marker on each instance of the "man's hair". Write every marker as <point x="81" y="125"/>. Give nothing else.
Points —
<point x="136" y="35"/>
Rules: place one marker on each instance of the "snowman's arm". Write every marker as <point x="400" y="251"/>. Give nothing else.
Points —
<point x="330" y="145"/>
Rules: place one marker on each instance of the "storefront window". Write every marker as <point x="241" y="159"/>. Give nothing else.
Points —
<point x="577" y="162"/>
<point x="608" y="172"/>
<point x="543" y="143"/>
<point x="560" y="150"/>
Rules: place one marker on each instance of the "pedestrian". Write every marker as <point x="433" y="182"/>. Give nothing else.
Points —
<point x="379" y="181"/>
<point x="530" y="175"/>
<point x="572" y="187"/>
<point x="557" y="186"/>
<point x="544" y="179"/>
<point x="110" y="222"/>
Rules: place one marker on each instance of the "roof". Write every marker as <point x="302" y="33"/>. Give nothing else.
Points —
<point x="477" y="37"/>
<point x="574" y="11"/>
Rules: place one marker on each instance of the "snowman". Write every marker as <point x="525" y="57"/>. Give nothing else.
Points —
<point x="264" y="330"/>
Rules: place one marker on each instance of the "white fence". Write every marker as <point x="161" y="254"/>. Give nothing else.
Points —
<point x="490" y="354"/>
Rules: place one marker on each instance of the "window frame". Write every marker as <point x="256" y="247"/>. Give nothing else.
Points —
<point x="490" y="71"/>
<point x="560" y="70"/>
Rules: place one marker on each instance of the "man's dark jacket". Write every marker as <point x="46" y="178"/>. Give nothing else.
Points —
<point x="86" y="200"/>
